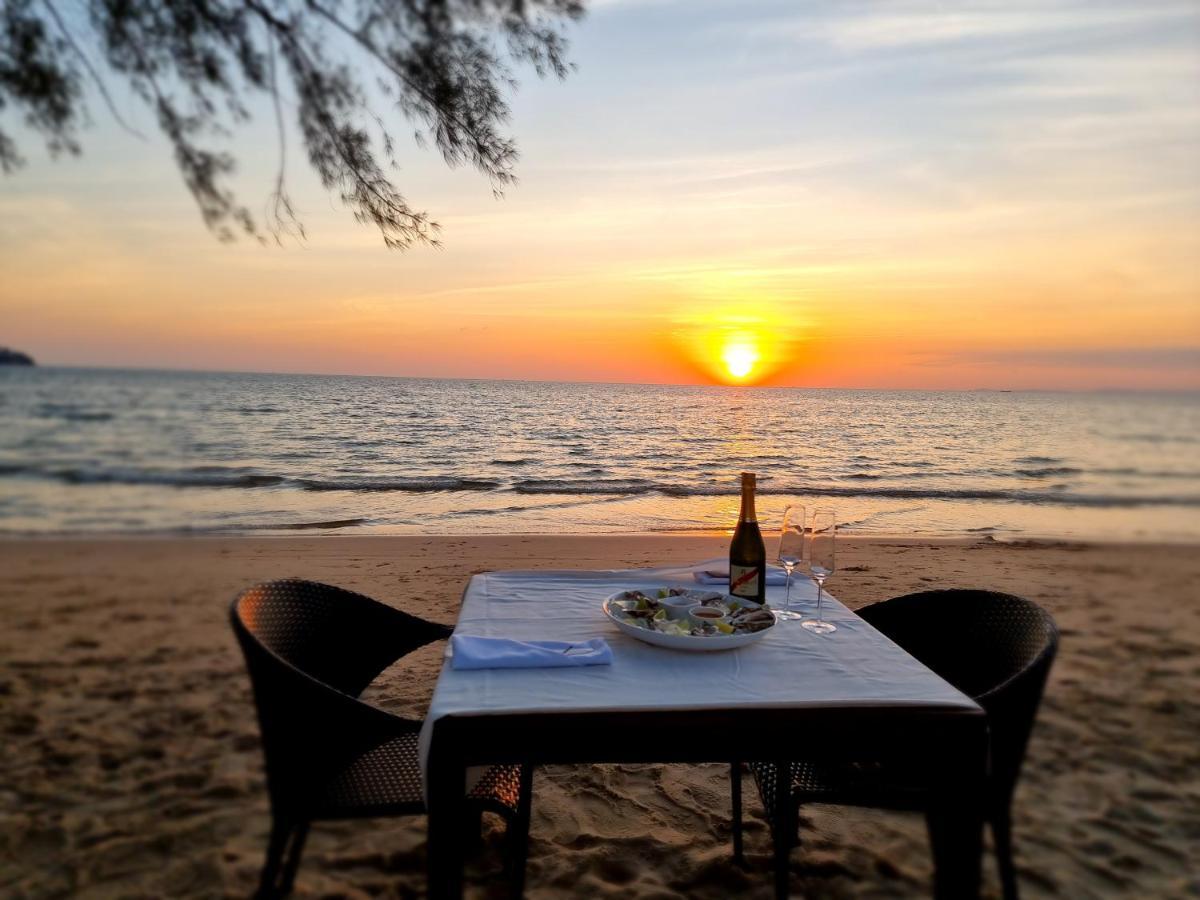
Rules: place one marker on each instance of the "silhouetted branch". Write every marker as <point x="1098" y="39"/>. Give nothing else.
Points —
<point x="196" y="63"/>
<point x="87" y="64"/>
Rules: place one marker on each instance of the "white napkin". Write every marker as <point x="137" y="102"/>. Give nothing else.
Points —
<point x="721" y="576"/>
<point x="468" y="651"/>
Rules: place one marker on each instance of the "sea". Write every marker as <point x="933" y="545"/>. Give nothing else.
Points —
<point x="85" y="451"/>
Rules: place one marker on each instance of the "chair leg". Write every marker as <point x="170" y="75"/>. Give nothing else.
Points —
<point x="1002" y="837"/>
<point x="268" y="883"/>
<point x="518" y="834"/>
<point x="299" y="834"/>
<point x="735" y="796"/>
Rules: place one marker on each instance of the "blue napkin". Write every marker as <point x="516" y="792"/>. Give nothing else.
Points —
<point x="469" y="651"/>
<point x="718" y="577"/>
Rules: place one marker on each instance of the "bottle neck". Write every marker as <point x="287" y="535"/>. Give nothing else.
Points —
<point x="747" y="513"/>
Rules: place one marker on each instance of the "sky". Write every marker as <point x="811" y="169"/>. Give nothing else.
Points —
<point x="888" y="194"/>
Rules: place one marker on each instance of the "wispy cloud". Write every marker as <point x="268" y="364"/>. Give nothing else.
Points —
<point x="864" y="27"/>
<point x="930" y="24"/>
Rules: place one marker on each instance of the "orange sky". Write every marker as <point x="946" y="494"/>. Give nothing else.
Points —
<point x="842" y="195"/>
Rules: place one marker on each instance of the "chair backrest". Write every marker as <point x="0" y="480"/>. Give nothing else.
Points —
<point x="310" y="650"/>
<point x="996" y="648"/>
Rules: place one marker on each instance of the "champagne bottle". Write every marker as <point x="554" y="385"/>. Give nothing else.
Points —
<point x="747" y="554"/>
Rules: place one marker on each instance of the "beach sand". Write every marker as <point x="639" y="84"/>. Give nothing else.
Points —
<point x="131" y="766"/>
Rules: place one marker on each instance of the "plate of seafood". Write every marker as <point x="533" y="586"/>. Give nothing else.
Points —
<point x="687" y="619"/>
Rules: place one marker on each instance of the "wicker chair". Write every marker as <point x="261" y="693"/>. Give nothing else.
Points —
<point x="311" y="649"/>
<point x="996" y="648"/>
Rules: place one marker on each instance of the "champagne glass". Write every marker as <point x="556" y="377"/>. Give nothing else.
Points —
<point x="821" y="539"/>
<point x="791" y="552"/>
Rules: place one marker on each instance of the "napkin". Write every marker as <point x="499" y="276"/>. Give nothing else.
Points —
<point x="721" y="576"/>
<point x="468" y="651"/>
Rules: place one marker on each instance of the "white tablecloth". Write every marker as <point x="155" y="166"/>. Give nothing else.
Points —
<point x="790" y="667"/>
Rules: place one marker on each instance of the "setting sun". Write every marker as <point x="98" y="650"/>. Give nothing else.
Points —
<point x="739" y="358"/>
<point x="737" y="339"/>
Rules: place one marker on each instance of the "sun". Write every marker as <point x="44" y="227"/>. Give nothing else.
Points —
<point x="739" y="343"/>
<point x="739" y="357"/>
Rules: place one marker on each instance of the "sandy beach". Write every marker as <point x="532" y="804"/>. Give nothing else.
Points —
<point x="131" y="765"/>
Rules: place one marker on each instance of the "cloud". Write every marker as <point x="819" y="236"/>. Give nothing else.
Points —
<point x="921" y="25"/>
<point x="925" y="24"/>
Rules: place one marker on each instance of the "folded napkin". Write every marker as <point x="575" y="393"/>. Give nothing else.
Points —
<point x="721" y="576"/>
<point x="468" y="651"/>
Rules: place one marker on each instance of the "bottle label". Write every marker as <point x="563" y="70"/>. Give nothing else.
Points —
<point x="743" y="580"/>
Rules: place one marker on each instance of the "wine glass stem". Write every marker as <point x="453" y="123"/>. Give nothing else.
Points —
<point x="820" y="591"/>
<point x="787" y="604"/>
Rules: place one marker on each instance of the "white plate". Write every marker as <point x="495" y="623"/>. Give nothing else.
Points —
<point x="701" y="643"/>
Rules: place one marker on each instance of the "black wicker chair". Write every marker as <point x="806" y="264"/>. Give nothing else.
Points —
<point x="996" y="648"/>
<point x="311" y="649"/>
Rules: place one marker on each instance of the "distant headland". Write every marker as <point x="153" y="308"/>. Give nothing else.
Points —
<point x="15" y="358"/>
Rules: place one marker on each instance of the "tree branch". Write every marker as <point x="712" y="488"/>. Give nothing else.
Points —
<point x="91" y="70"/>
<point x="194" y="62"/>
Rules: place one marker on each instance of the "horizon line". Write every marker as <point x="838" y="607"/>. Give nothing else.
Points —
<point x="971" y="390"/>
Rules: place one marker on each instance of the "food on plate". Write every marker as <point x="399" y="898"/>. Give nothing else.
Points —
<point x="729" y="615"/>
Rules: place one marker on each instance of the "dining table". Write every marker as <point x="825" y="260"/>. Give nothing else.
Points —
<point x="847" y="695"/>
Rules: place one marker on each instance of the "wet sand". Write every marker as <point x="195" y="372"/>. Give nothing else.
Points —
<point x="131" y="765"/>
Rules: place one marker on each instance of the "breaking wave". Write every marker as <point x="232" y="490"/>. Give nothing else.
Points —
<point x="218" y="477"/>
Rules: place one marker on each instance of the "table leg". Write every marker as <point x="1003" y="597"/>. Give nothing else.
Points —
<point x="784" y="827"/>
<point x="956" y="838"/>
<point x="735" y="797"/>
<point x="447" y="793"/>
<point x="955" y="818"/>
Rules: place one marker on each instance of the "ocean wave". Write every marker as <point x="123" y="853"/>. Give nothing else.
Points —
<point x="531" y="507"/>
<point x="872" y="518"/>
<point x="419" y="484"/>
<point x="1056" y="496"/>
<point x="215" y="477"/>
<point x="1154" y="438"/>
<point x="222" y="477"/>
<point x="302" y="526"/>
<point x="583" y="486"/>
<point x="187" y="478"/>
<point x="73" y="413"/>
<point x="1147" y="473"/>
<point x="1048" y="471"/>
